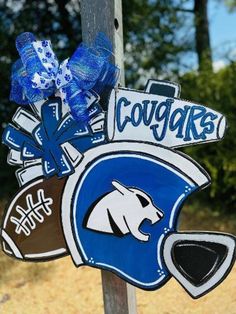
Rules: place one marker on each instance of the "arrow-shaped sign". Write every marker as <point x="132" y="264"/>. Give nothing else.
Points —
<point x="141" y="116"/>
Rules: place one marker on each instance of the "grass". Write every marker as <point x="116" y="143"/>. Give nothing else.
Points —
<point x="58" y="287"/>
<point x="192" y="218"/>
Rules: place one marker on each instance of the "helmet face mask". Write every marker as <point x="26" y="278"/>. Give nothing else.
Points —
<point x="199" y="261"/>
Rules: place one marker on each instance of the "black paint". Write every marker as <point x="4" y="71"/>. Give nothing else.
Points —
<point x="198" y="261"/>
<point x="162" y="90"/>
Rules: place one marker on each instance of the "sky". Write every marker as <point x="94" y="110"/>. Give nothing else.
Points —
<point x="222" y="32"/>
<point x="222" y="26"/>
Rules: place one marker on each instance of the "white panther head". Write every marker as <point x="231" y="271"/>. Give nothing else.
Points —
<point x="122" y="211"/>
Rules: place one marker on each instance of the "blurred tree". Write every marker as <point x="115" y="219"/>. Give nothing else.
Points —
<point x="157" y="35"/>
<point x="231" y="4"/>
<point x="202" y="36"/>
<point x="216" y="90"/>
<point x="58" y="20"/>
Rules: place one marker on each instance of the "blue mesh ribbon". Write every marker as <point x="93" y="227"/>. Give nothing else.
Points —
<point x="38" y="74"/>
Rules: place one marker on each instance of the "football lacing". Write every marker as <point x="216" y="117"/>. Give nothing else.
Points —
<point x="34" y="212"/>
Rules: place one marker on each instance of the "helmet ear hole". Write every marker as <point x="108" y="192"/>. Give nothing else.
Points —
<point x="144" y="202"/>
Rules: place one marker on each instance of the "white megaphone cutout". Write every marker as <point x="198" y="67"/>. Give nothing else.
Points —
<point x="122" y="211"/>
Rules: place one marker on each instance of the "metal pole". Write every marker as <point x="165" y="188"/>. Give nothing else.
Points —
<point x="106" y="16"/>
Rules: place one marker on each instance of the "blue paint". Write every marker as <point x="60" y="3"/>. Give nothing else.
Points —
<point x="15" y="139"/>
<point x="208" y="126"/>
<point x="196" y="113"/>
<point x="48" y="136"/>
<point x="189" y="123"/>
<point x="122" y="101"/>
<point x="147" y="119"/>
<point x="159" y="117"/>
<point x="177" y="124"/>
<point x="136" y="114"/>
<point x="134" y="260"/>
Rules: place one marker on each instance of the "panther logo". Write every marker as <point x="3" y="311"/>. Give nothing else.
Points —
<point x="121" y="212"/>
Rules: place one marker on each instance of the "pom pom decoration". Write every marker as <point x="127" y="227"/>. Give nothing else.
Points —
<point x="49" y="135"/>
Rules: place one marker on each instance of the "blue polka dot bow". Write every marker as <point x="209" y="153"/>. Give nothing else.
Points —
<point x="38" y="73"/>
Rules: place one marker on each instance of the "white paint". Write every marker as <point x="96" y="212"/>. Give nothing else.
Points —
<point x="159" y="250"/>
<point x="36" y="107"/>
<point x="38" y="138"/>
<point x="214" y="238"/>
<point x="47" y="165"/>
<point x="72" y="153"/>
<point x="33" y="213"/>
<point x="11" y="140"/>
<point x="80" y="132"/>
<point x="63" y="123"/>
<point x="27" y="174"/>
<point x="25" y="120"/>
<point x="97" y="123"/>
<point x="32" y="162"/>
<point x="55" y="108"/>
<point x="92" y="97"/>
<point x="175" y="207"/>
<point x="5" y="249"/>
<point x="145" y="133"/>
<point x="11" y="244"/>
<point x="222" y="127"/>
<point x="27" y="154"/>
<point x="97" y="139"/>
<point x="126" y="210"/>
<point x="63" y="160"/>
<point x="14" y="158"/>
<point x="45" y="254"/>
<point x="12" y="205"/>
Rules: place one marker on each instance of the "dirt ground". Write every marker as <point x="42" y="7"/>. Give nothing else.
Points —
<point x="58" y="287"/>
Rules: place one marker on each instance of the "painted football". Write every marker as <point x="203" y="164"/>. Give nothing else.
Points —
<point x="31" y="228"/>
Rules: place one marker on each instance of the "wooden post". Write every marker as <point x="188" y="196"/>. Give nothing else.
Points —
<point x="106" y="16"/>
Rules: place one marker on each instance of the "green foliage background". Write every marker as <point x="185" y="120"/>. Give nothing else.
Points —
<point x="218" y="91"/>
<point x="158" y="37"/>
